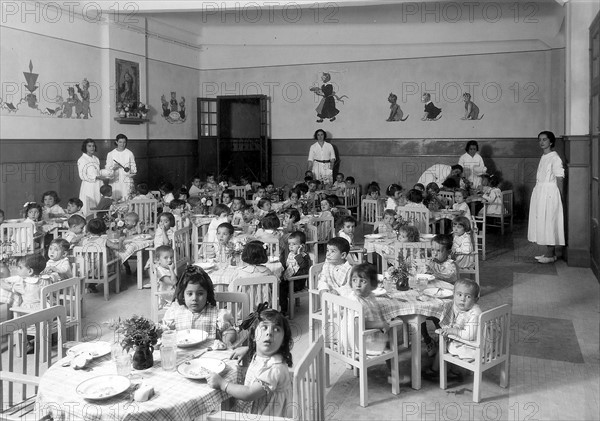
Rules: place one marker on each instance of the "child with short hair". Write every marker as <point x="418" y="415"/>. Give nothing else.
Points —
<point x="373" y="191"/>
<point x="311" y="195"/>
<point x="24" y="288"/>
<point x="261" y="193"/>
<point x="165" y="275"/>
<point x="460" y="196"/>
<point x="268" y="231"/>
<point x="50" y="201"/>
<point x="166" y="190"/>
<point x="223" y="253"/>
<point x="408" y="234"/>
<point x="58" y="265"/>
<point x="164" y="229"/>
<point x="387" y="224"/>
<point x="194" y="305"/>
<point x="250" y="219"/>
<point x="295" y="262"/>
<point x="270" y="192"/>
<point x="237" y="207"/>
<point x="179" y="211"/>
<point x="267" y="388"/>
<point x="143" y="192"/>
<point x="132" y="225"/>
<point x="348" y="225"/>
<point x="222" y="213"/>
<point x="74" y="206"/>
<point x="195" y="188"/>
<point x="96" y="229"/>
<point x="106" y="199"/>
<point x="414" y="199"/>
<point x="339" y="183"/>
<point x="76" y="227"/>
<point x="293" y="201"/>
<point x="442" y="266"/>
<point x="211" y="184"/>
<point x="326" y="208"/>
<point x="335" y="274"/>
<point x="461" y="321"/>
<point x="290" y="220"/>
<point x="394" y="196"/>
<point x="462" y="246"/>
<point x="227" y="197"/>
<point x="245" y="181"/>
<point x="350" y="181"/>
<point x="263" y="207"/>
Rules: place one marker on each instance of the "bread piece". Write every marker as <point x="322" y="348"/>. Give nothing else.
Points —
<point x="143" y="393"/>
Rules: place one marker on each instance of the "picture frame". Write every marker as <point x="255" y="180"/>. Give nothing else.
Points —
<point x="127" y="82"/>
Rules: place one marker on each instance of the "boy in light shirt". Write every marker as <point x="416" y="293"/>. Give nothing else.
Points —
<point x="335" y="275"/>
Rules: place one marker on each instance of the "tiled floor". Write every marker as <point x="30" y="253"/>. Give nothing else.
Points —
<point x="554" y="373"/>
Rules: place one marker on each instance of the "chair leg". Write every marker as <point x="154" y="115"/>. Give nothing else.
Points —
<point x="504" y="372"/>
<point x="106" y="286"/>
<point x="364" y="393"/>
<point x="327" y="379"/>
<point x="477" y="374"/>
<point x="443" y="364"/>
<point x="502" y="225"/>
<point x="291" y="301"/>
<point x="395" y="363"/>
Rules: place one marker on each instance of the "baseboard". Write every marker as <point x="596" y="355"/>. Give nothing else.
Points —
<point x="577" y="257"/>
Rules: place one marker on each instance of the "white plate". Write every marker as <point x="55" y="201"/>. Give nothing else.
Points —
<point x="374" y="236"/>
<point x="103" y="387"/>
<point x="95" y="349"/>
<point x="197" y="369"/>
<point x="146" y="237"/>
<point x="438" y="292"/>
<point x="427" y="236"/>
<point x="425" y="277"/>
<point x="205" y="265"/>
<point x="190" y="337"/>
<point x="378" y="292"/>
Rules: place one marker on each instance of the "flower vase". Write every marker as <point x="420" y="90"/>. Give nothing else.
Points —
<point x="402" y="283"/>
<point x="142" y="357"/>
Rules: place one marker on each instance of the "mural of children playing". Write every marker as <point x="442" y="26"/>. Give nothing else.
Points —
<point x="471" y="110"/>
<point x="326" y="108"/>
<point x="432" y="113"/>
<point x="396" y="113"/>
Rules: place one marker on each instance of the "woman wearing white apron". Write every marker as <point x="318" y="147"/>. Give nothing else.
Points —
<point x="88" y="166"/>
<point x="122" y="163"/>
<point x="546" y="220"/>
<point x="321" y="158"/>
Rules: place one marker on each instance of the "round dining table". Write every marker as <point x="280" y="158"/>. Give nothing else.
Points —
<point x="176" y="397"/>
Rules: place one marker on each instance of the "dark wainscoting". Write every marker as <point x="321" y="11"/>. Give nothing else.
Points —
<point x="30" y="167"/>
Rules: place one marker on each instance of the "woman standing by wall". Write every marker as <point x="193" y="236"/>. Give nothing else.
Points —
<point x="546" y="220"/>
<point x="122" y="163"/>
<point x="88" y="166"/>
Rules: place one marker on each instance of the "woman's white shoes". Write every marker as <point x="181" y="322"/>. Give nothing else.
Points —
<point x="544" y="259"/>
<point x="539" y="257"/>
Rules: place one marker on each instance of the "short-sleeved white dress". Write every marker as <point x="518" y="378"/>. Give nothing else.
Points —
<point x="546" y="220"/>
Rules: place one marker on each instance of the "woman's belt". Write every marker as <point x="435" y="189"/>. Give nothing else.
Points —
<point x="323" y="162"/>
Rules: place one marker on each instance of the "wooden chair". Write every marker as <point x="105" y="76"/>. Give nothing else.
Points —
<point x="478" y="225"/>
<point x="416" y="253"/>
<point x="23" y="238"/>
<point x="312" y="241"/>
<point x="146" y="209"/>
<point x="325" y="229"/>
<point x="370" y="212"/>
<point x="314" y="301"/>
<point x="351" y="199"/>
<point x="492" y="348"/>
<point x="273" y="251"/>
<point x="93" y="212"/>
<point x="259" y="290"/>
<point x="239" y="191"/>
<point x="236" y="303"/>
<point x="506" y="215"/>
<point x="182" y="245"/>
<point x="157" y="298"/>
<point x="346" y="339"/>
<point x="308" y="401"/>
<point x="98" y="265"/>
<point x="419" y="217"/>
<point x="447" y="197"/>
<point x="473" y="257"/>
<point x="294" y="295"/>
<point x="20" y="377"/>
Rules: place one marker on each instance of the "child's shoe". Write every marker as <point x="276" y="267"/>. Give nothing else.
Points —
<point x="431" y="347"/>
<point x="92" y="288"/>
<point x="430" y="375"/>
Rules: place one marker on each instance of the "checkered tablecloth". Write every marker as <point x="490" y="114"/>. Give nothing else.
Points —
<point x="405" y="303"/>
<point x="134" y="244"/>
<point x="176" y="397"/>
<point x="380" y="245"/>
<point x="228" y="274"/>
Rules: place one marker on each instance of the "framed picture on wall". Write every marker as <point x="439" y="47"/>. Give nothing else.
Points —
<point x="127" y="82"/>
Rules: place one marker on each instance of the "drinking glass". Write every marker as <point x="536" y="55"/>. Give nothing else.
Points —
<point x="168" y="350"/>
<point x="123" y="363"/>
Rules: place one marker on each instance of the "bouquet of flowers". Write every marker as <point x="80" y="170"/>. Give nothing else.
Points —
<point x="138" y="331"/>
<point x="115" y="219"/>
<point x="399" y="274"/>
<point x="132" y="109"/>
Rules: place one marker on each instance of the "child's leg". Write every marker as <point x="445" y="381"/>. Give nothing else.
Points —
<point x="284" y="289"/>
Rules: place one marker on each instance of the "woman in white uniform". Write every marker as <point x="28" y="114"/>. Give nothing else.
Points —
<point x="546" y="220"/>
<point x="122" y="163"/>
<point x="321" y="158"/>
<point x="472" y="163"/>
<point x="88" y="167"/>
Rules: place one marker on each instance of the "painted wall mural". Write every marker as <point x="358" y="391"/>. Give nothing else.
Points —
<point x="327" y="107"/>
<point x="396" y="112"/>
<point x="173" y="111"/>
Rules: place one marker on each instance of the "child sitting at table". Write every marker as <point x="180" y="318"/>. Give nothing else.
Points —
<point x="462" y="321"/>
<point x="339" y="183"/>
<point x="23" y="289"/>
<point x="263" y="207"/>
<point x="178" y="208"/>
<point x="237" y="207"/>
<point x="250" y="216"/>
<point x="165" y="275"/>
<point x="326" y="208"/>
<point x="194" y="305"/>
<point x="76" y="227"/>
<point x="50" y="201"/>
<point x="492" y="195"/>
<point x="268" y="231"/>
<point x="74" y="206"/>
<point x="222" y="214"/>
<point x="414" y="199"/>
<point x="394" y="196"/>
<point x="132" y="225"/>
<point x="271" y="192"/>
<point x="227" y="197"/>
<point x="106" y="200"/>
<point x="432" y="201"/>
<point x="143" y="192"/>
<point x="335" y="275"/>
<point x="295" y="262"/>
<point x="462" y="246"/>
<point x="223" y="250"/>
<point x="211" y="184"/>
<point x="373" y="191"/>
<point x="408" y="234"/>
<point x="348" y="225"/>
<point x="166" y="190"/>
<point x="442" y="266"/>
<point x="96" y="239"/>
<point x="261" y="193"/>
<point x="290" y="220"/>
<point x="387" y="224"/>
<point x="267" y="388"/>
<point x="58" y="265"/>
<point x="460" y="196"/>
<point x="195" y="187"/>
<point x="293" y="200"/>
<point x="164" y="229"/>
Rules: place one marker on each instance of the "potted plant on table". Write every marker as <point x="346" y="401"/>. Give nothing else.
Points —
<point x="142" y="334"/>
<point x="399" y="274"/>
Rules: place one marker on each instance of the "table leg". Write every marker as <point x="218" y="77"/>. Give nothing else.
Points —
<point x="415" y="348"/>
<point x="140" y="268"/>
